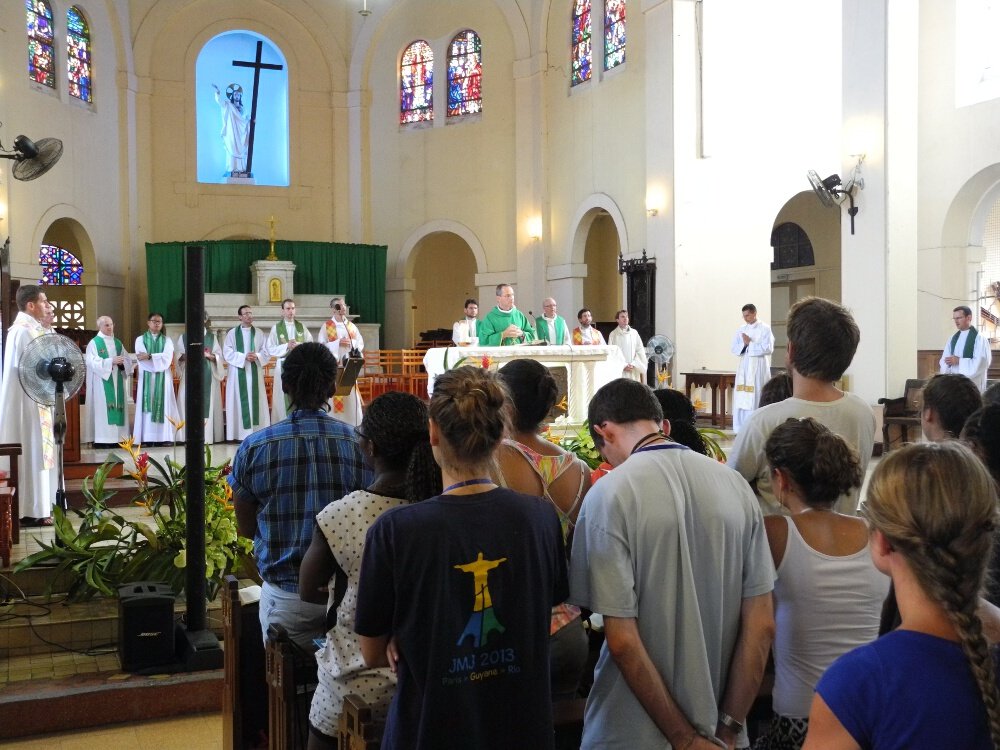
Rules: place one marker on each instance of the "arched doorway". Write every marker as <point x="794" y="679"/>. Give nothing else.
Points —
<point x="444" y="274"/>
<point x="65" y="257"/>
<point x="806" y="242"/>
<point x="602" y="287"/>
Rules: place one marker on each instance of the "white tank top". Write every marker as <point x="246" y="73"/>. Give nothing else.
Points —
<point x="824" y="607"/>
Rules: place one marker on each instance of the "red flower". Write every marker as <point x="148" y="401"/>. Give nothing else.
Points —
<point x="227" y="469"/>
<point x="487" y="362"/>
<point x="142" y="461"/>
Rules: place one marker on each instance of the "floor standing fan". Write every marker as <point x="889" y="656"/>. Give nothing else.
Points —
<point x="659" y="351"/>
<point x="51" y="370"/>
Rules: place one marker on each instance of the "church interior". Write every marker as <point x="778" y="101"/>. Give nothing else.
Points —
<point x="680" y="131"/>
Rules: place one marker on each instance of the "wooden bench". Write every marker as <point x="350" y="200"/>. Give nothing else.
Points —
<point x="244" y="700"/>
<point x="291" y="681"/>
<point x="12" y="451"/>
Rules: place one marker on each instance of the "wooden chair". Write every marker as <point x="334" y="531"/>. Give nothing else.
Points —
<point x="291" y="681"/>
<point x="385" y="368"/>
<point x="12" y="451"/>
<point x="244" y="704"/>
<point x="358" y="729"/>
<point x="902" y="413"/>
<point x="7" y="500"/>
<point x="414" y="374"/>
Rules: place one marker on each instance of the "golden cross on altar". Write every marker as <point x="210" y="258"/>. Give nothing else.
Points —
<point x="271" y="223"/>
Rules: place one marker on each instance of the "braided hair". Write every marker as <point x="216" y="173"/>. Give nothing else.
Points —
<point x="396" y="423"/>
<point x="936" y="505"/>
<point x="309" y="375"/>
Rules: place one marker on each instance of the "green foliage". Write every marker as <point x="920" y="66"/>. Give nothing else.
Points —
<point x="106" y="550"/>
<point x="582" y="444"/>
<point x="712" y="436"/>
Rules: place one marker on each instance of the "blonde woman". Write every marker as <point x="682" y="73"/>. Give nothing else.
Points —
<point x="930" y="683"/>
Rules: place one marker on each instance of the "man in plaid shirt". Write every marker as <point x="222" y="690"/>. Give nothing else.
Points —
<point x="283" y="476"/>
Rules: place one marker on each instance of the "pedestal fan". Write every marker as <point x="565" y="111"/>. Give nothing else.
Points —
<point x="659" y="351"/>
<point x="50" y="371"/>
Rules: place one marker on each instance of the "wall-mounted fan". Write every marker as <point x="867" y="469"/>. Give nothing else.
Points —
<point x="659" y="351"/>
<point x="51" y="370"/>
<point x="32" y="159"/>
<point x="831" y="191"/>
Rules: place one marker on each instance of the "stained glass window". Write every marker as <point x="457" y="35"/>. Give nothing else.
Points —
<point x="78" y="54"/>
<point x="41" y="65"/>
<point x="465" y="74"/>
<point x="581" y="41"/>
<point x="614" y="33"/>
<point x="59" y="266"/>
<point x="416" y="84"/>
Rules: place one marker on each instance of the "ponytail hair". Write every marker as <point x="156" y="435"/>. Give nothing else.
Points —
<point x="820" y="462"/>
<point x="936" y="504"/>
<point x="470" y="408"/>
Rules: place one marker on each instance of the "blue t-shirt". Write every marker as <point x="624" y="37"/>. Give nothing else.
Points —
<point x="907" y="690"/>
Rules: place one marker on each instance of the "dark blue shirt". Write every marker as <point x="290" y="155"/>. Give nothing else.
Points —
<point x="907" y="690"/>
<point x="291" y="471"/>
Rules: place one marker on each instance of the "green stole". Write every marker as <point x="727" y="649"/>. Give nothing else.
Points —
<point x="245" y="403"/>
<point x="970" y="343"/>
<point x="152" y="398"/>
<point x="207" y="368"/>
<point x="300" y="335"/>
<point x="115" y="402"/>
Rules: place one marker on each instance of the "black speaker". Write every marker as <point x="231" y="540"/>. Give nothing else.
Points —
<point x="145" y="625"/>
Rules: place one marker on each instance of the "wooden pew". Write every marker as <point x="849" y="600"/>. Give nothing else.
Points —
<point x="291" y="681"/>
<point x="244" y="702"/>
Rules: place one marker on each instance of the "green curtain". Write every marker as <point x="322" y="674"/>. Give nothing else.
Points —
<point x="357" y="271"/>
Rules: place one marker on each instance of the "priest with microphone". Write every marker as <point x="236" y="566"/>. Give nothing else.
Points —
<point x="505" y="325"/>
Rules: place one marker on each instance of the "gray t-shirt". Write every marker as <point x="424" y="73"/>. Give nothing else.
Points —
<point x="675" y="540"/>
<point x="850" y="417"/>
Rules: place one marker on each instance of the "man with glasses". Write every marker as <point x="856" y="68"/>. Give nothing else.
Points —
<point x="967" y="352"/>
<point x="551" y="327"/>
<point x="283" y="476"/>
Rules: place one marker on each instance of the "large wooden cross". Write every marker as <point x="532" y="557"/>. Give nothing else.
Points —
<point x="257" y="66"/>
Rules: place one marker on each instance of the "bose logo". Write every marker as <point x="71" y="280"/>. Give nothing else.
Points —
<point x="150" y="634"/>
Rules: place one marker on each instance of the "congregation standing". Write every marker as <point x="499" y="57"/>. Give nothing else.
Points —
<point x="697" y="569"/>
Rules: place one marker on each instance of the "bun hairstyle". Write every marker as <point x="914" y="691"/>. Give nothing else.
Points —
<point x="533" y="392"/>
<point x="470" y="408"/>
<point x="820" y="462"/>
<point x="396" y="424"/>
<point x="937" y="505"/>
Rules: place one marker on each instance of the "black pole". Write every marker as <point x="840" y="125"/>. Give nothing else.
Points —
<point x="194" y="454"/>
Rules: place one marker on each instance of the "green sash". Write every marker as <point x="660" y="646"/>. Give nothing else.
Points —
<point x="282" y="331"/>
<point x="115" y="402"/>
<point x="245" y="403"/>
<point x="970" y="343"/>
<point x="206" y="368"/>
<point x="152" y="398"/>
<point x="300" y="336"/>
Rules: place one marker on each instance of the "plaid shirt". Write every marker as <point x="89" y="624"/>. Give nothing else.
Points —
<point x="291" y="471"/>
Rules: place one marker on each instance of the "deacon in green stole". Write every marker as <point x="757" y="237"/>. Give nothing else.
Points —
<point x="966" y="352"/>
<point x="156" y="415"/>
<point x="211" y="366"/>
<point x="108" y="370"/>
<point x="284" y="336"/>
<point x="246" y="396"/>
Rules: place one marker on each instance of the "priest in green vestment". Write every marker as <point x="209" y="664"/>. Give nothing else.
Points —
<point x="109" y="368"/>
<point x="246" y="395"/>
<point x="286" y="334"/>
<point x="156" y="415"/>
<point x="550" y="326"/>
<point x="505" y="325"/>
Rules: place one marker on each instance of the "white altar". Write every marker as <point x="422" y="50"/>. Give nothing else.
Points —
<point x="587" y="367"/>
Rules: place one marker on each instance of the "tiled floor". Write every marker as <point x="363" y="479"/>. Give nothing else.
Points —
<point x="199" y="732"/>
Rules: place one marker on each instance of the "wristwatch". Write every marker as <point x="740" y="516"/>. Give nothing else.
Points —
<point x="730" y="723"/>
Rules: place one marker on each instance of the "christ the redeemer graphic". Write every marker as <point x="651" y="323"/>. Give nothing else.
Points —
<point x="483" y="621"/>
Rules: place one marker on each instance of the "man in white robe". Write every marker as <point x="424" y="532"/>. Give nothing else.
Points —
<point x="967" y="352"/>
<point x="285" y="335"/>
<point x="466" y="331"/>
<point x="340" y="336"/>
<point x="753" y="344"/>
<point x="627" y="339"/>
<point x="24" y="421"/>
<point x="246" y="395"/>
<point x="109" y="371"/>
<point x="235" y="127"/>
<point x="156" y="415"/>
<point x="212" y="373"/>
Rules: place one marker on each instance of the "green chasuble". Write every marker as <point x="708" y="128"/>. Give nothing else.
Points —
<point x="153" y="383"/>
<point x="970" y="344"/>
<point x="114" y="385"/>
<point x="491" y="327"/>
<point x="542" y="330"/>
<point x="249" y="407"/>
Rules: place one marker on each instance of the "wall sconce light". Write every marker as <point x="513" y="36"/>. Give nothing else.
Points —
<point x="654" y="201"/>
<point x="534" y="227"/>
<point x="652" y="211"/>
<point x="364" y="12"/>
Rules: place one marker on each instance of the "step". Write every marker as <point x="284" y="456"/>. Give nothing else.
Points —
<point x="40" y="626"/>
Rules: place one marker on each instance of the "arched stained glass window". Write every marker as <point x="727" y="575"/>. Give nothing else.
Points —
<point x="614" y="33"/>
<point x="416" y="84"/>
<point x="581" y="42"/>
<point x="465" y="74"/>
<point x="41" y="63"/>
<point x="59" y="266"/>
<point x="78" y="54"/>
<point x="792" y="248"/>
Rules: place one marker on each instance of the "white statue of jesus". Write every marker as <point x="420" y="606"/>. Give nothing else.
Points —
<point x="235" y="126"/>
